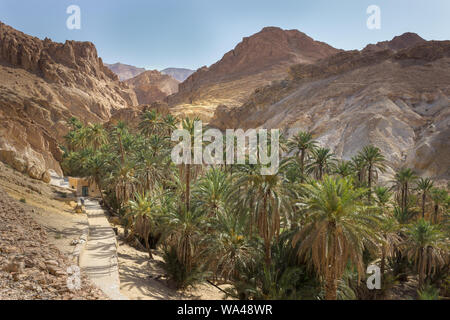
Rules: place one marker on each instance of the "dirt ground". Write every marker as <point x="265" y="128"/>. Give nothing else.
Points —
<point x="57" y="217"/>
<point x="142" y="279"/>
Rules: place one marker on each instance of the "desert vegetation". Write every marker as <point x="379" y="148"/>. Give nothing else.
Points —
<point x="307" y="232"/>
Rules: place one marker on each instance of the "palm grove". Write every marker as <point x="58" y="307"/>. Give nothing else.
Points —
<point x="307" y="232"/>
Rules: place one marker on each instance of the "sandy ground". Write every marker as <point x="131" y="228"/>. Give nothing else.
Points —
<point x="142" y="279"/>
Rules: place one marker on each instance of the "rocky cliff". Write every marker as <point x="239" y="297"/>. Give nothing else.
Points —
<point x="397" y="100"/>
<point x="151" y="86"/>
<point x="43" y="84"/>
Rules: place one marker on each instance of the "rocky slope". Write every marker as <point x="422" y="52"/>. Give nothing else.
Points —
<point x="125" y="71"/>
<point x="43" y="84"/>
<point x="30" y="267"/>
<point x="179" y="74"/>
<point x="396" y="100"/>
<point x="151" y="86"/>
<point x="256" y="61"/>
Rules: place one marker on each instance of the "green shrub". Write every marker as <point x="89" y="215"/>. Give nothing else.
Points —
<point x="428" y="292"/>
<point x="182" y="275"/>
<point x="23" y="200"/>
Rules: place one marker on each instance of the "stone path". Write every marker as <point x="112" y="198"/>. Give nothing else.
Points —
<point x="99" y="258"/>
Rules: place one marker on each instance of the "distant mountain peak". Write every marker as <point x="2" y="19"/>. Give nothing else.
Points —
<point x="179" y="74"/>
<point x="406" y="40"/>
<point x="125" y="71"/>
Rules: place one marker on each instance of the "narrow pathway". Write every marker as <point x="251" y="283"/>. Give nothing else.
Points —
<point x="99" y="258"/>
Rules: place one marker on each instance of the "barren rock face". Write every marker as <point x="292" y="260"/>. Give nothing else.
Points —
<point x="255" y="62"/>
<point x="42" y="85"/>
<point x="151" y="86"/>
<point x="396" y="100"/>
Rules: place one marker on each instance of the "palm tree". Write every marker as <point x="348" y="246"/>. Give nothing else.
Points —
<point x="229" y="245"/>
<point x="170" y="123"/>
<point x="439" y="197"/>
<point x="96" y="136"/>
<point x="95" y="168"/>
<point x="427" y="246"/>
<point x="211" y="192"/>
<point x="344" y="169"/>
<point x="389" y="226"/>
<point x="339" y="228"/>
<point x="74" y="124"/>
<point x="120" y="133"/>
<point x="390" y="240"/>
<point x="72" y="140"/>
<point x="424" y="186"/>
<point x="150" y="122"/>
<point x="403" y="181"/>
<point x="185" y="232"/>
<point x="143" y="211"/>
<point x="322" y="162"/>
<point x="374" y="162"/>
<point x="303" y="144"/>
<point x="359" y="167"/>
<point x="268" y="198"/>
<point x="189" y="125"/>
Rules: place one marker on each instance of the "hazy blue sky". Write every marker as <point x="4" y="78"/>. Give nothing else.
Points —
<point x="191" y="33"/>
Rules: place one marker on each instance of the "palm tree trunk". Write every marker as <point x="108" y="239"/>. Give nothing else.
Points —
<point x="383" y="260"/>
<point x="423" y="204"/>
<point x="331" y="285"/>
<point x="330" y="276"/>
<point x="266" y="233"/>
<point x="331" y="281"/>
<point x="302" y="165"/>
<point x="436" y="211"/>
<point x="421" y="269"/>
<point x="406" y="196"/>
<point x="188" y="187"/>
<point x="147" y="244"/>
<point x="370" y="183"/>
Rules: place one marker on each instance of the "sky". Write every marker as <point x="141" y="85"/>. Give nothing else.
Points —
<point x="156" y="34"/>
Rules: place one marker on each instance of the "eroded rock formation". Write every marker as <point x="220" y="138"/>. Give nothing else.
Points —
<point x="42" y="85"/>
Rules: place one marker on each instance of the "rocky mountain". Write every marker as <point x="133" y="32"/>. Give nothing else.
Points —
<point x="42" y="85"/>
<point x="179" y="74"/>
<point x="397" y="100"/>
<point x="255" y="62"/>
<point x="125" y="71"/>
<point x="403" y="41"/>
<point x="151" y="86"/>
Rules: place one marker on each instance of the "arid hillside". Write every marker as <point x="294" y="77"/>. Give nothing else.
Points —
<point x="255" y="62"/>
<point x="42" y="85"/>
<point x="396" y="100"/>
